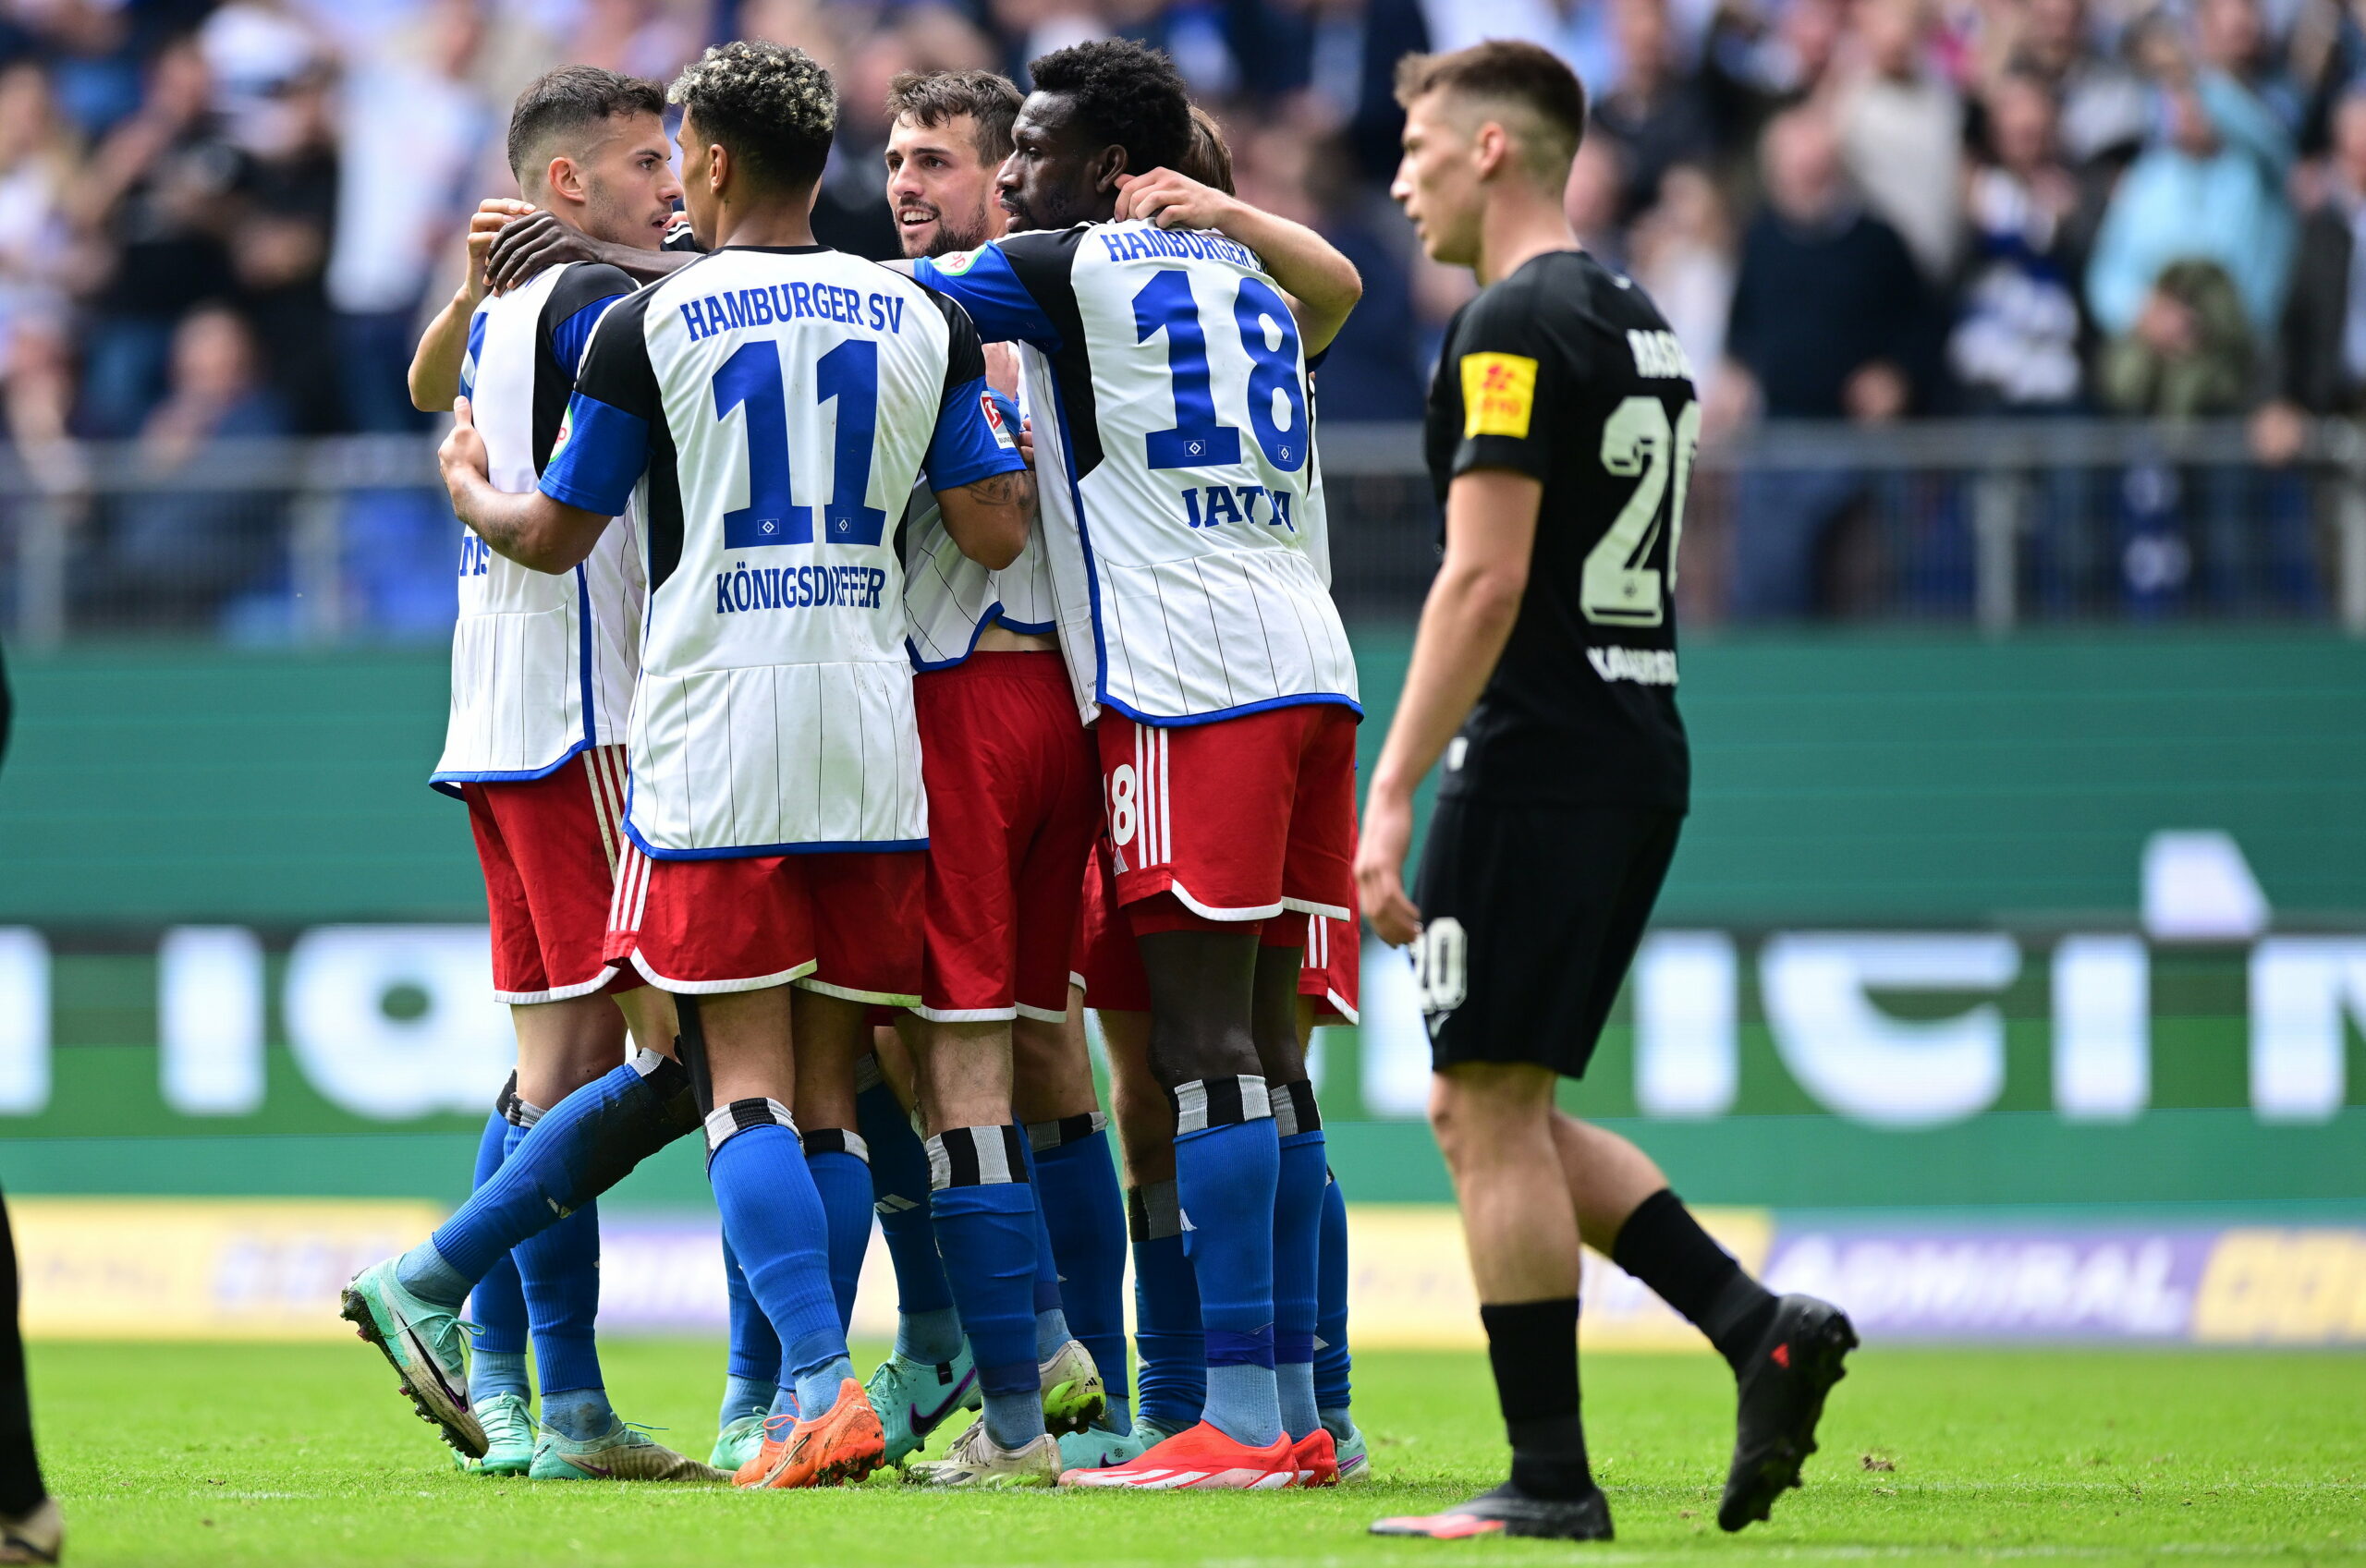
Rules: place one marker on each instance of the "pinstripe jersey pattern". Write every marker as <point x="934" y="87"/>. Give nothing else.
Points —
<point x="543" y="663"/>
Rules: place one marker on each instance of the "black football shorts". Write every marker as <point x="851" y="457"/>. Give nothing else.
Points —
<point x="1530" y="916"/>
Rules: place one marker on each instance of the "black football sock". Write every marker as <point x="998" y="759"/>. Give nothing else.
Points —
<point x="1533" y="1346"/>
<point x="1664" y="1246"/>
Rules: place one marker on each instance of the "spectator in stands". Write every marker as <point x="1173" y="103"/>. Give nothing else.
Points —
<point x="417" y="137"/>
<point x="2320" y="359"/>
<point x="2104" y="108"/>
<point x="1373" y="369"/>
<point x="156" y="202"/>
<point x="1830" y="320"/>
<point x="1830" y="317"/>
<point x="39" y="162"/>
<point x="2189" y="352"/>
<point x="2230" y="37"/>
<point x="256" y="50"/>
<point x="1755" y="65"/>
<point x="2018" y="344"/>
<point x="174" y="557"/>
<point x="1901" y="133"/>
<point x="1592" y="199"/>
<point x="2209" y="189"/>
<point x="279" y="251"/>
<point x="1683" y="255"/>
<point x="1656" y="113"/>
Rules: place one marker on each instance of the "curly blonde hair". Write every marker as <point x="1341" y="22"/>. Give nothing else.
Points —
<point x="773" y="106"/>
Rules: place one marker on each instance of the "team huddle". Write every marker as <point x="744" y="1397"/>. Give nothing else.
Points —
<point x="863" y="669"/>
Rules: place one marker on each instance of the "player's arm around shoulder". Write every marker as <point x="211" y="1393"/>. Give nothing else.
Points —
<point x="435" y="376"/>
<point x="989" y="515"/>
<point x="984" y="493"/>
<point x="1324" y="285"/>
<point x="529" y="528"/>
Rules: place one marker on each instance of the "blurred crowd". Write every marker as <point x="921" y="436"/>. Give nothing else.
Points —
<point x="227" y="218"/>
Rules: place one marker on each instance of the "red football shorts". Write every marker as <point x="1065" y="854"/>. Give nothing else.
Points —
<point x="1240" y="819"/>
<point x="845" y="925"/>
<point x="1013" y="810"/>
<point x="1108" y="967"/>
<point x="1108" y="962"/>
<point x="1331" y="971"/>
<point x="549" y="849"/>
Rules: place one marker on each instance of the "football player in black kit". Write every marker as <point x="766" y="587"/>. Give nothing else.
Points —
<point x="1562" y="427"/>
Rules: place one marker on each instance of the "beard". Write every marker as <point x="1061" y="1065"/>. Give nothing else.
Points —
<point x="953" y="235"/>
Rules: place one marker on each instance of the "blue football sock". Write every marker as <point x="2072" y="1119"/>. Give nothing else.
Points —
<point x="822" y="1372"/>
<point x="424" y="1273"/>
<point x="580" y="1414"/>
<point x="773" y="1219"/>
<point x="743" y="1397"/>
<point x="1332" y="1361"/>
<point x="583" y="1146"/>
<point x="560" y="1269"/>
<point x="497" y="1305"/>
<point x="1173" y="1380"/>
<point x="1227" y="1166"/>
<point x="1298" y="1248"/>
<point x="494" y="1372"/>
<point x="899" y="1185"/>
<point x="929" y="1337"/>
<point x="1051" y="1312"/>
<point x="842" y="1177"/>
<point x="1076" y="1184"/>
<point x="986" y="1228"/>
<point x="753" y="1355"/>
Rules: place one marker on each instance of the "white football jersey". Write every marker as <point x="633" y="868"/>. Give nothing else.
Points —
<point x="543" y="663"/>
<point x="1180" y="496"/>
<point x="950" y="600"/>
<point x="772" y="409"/>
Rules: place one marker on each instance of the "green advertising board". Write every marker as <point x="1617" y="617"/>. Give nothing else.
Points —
<point x="2062" y="919"/>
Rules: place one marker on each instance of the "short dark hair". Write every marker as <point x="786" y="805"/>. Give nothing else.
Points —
<point x="569" y="100"/>
<point x="1509" y="72"/>
<point x="1127" y="95"/>
<point x="1210" y="160"/>
<point x="930" y="98"/>
<point x="772" y="106"/>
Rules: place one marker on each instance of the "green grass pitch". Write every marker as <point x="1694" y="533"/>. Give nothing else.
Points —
<point x="304" y="1454"/>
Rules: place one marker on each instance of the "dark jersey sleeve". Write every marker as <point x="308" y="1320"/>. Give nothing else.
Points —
<point x="973" y="438"/>
<point x="1514" y="384"/>
<point x="608" y="421"/>
<point x="576" y="304"/>
<point x="1016" y="288"/>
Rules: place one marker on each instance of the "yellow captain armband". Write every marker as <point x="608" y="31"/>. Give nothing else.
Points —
<point x="1498" y="394"/>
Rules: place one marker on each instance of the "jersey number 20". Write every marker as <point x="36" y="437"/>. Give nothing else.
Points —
<point x="1618" y="590"/>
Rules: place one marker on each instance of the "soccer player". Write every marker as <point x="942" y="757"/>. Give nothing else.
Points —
<point x="765" y="406"/>
<point x="1014" y="804"/>
<point x="32" y="1530"/>
<point x="1562" y="427"/>
<point x="1173" y="1376"/>
<point x="1167" y="387"/>
<point x="543" y="672"/>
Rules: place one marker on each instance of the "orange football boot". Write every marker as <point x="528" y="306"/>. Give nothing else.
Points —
<point x="843" y="1444"/>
